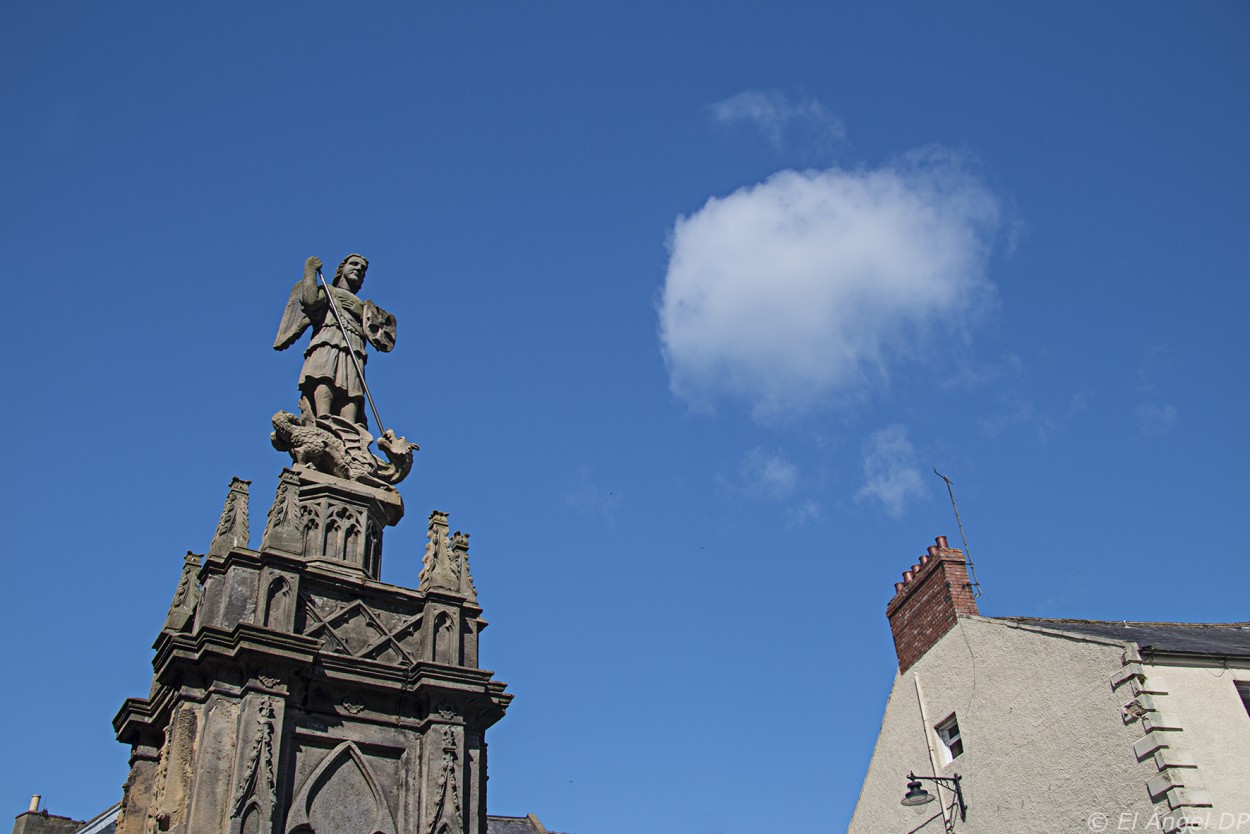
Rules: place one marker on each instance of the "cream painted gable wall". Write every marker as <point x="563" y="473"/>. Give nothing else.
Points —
<point x="1045" y="744"/>
<point x="1207" y="723"/>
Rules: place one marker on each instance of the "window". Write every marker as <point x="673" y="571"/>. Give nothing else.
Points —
<point x="952" y="743"/>
<point x="1243" y="689"/>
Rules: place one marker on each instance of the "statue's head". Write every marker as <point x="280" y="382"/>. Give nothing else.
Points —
<point x="351" y="272"/>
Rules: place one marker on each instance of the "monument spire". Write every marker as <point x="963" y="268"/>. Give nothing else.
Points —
<point x="293" y="691"/>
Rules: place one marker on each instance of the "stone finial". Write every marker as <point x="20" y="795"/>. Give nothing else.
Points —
<point x="282" y="529"/>
<point x="460" y="550"/>
<point x="446" y="563"/>
<point x="186" y="597"/>
<point x="232" y="528"/>
<point x="439" y="571"/>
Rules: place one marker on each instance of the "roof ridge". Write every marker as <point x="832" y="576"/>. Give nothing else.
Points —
<point x="1123" y="622"/>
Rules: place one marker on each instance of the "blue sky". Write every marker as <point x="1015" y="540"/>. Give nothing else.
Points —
<point x="691" y="300"/>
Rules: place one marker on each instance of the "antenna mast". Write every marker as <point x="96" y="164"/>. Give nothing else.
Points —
<point x="976" y="586"/>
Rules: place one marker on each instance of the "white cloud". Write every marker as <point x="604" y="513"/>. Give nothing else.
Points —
<point x="800" y="290"/>
<point x="803" y="514"/>
<point x="1019" y="412"/>
<point x="890" y="470"/>
<point x="1156" y="420"/>
<point x="767" y="474"/>
<point x="1155" y="359"/>
<point x="773" y="114"/>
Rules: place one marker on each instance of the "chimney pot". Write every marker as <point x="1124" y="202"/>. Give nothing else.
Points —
<point x="933" y="550"/>
<point x="915" y="569"/>
<point x="941" y="542"/>
<point x="924" y="560"/>
<point x="34" y="803"/>
<point x="898" y="587"/>
<point x="908" y="576"/>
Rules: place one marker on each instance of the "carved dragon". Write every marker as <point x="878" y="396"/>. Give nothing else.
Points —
<point x="339" y="447"/>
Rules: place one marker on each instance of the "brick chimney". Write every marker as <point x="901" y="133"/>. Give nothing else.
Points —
<point x="927" y="601"/>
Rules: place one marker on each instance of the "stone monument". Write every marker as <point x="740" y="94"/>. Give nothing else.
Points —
<point x="293" y="690"/>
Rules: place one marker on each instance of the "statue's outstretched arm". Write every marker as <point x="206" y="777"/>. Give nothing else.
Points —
<point x="308" y="286"/>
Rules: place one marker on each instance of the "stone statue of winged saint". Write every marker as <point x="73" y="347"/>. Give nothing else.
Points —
<point x="332" y="383"/>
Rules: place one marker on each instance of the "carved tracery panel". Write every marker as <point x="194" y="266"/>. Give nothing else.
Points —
<point x="341" y="796"/>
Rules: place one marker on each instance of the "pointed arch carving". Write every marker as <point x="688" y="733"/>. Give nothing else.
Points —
<point x="278" y="605"/>
<point x="310" y="526"/>
<point x="341" y="763"/>
<point x="445" y="640"/>
<point x="353" y="544"/>
<point x="250" y="822"/>
<point x="343" y="540"/>
<point x="373" y="547"/>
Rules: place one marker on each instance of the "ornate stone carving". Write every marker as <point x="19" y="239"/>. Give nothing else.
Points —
<point x="279" y="599"/>
<point x="438" y="572"/>
<point x="258" y="780"/>
<point x="447" y="818"/>
<point x="341" y="794"/>
<point x="379" y="327"/>
<point x="187" y="595"/>
<point x="330" y="432"/>
<point x="174" y="772"/>
<point x="325" y="518"/>
<point x="337" y="447"/>
<point x="314" y="696"/>
<point x="332" y="380"/>
<point x="155" y="814"/>
<point x="283" y="530"/>
<point x="356" y="630"/>
<point x="446" y="561"/>
<point x="232" y="528"/>
<point x="460" y="549"/>
<point x="310" y="530"/>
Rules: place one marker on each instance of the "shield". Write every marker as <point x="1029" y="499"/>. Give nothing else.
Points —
<point x="379" y="327"/>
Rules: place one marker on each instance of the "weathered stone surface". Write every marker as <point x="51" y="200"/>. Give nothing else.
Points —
<point x="186" y="596"/>
<point x="298" y="693"/>
<point x="41" y="822"/>
<point x="293" y="692"/>
<point x="336" y="447"/>
<point x="326" y="519"/>
<point x="283" y="532"/>
<point x="446" y="562"/>
<point x="332" y="381"/>
<point x="232" y="529"/>
<point x="330" y="434"/>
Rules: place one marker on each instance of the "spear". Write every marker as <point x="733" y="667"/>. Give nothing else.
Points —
<point x="338" y="319"/>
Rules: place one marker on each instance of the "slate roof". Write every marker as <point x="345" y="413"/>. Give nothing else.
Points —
<point x="1218" y="639"/>
<point x="509" y="825"/>
<point x="514" y="825"/>
<point x="104" y="823"/>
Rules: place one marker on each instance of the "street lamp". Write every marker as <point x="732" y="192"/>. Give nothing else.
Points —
<point x="917" y="795"/>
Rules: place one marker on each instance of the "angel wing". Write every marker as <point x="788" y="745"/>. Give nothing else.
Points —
<point x="294" y="322"/>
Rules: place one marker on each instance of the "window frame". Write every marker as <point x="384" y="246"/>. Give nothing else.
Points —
<point x="952" y="742"/>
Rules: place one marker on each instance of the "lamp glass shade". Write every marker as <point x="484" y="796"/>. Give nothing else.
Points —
<point x="916" y="795"/>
